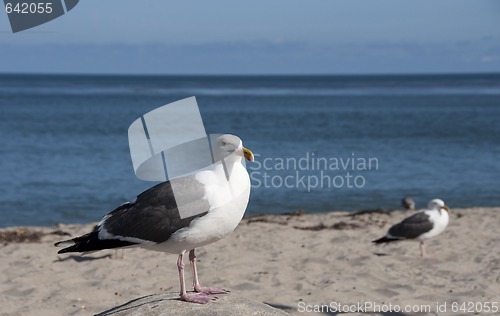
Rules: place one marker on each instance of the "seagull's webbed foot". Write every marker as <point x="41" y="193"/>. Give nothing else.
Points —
<point x="210" y="290"/>
<point x="428" y="257"/>
<point x="200" y="298"/>
<point x="196" y="282"/>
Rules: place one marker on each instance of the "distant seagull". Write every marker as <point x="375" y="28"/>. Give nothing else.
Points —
<point x="420" y="226"/>
<point x="153" y="220"/>
<point x="408" y="203"/>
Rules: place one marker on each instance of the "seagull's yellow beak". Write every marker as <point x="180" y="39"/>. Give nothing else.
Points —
<point x="446" y="208"/>
<point x="248" y="154"/>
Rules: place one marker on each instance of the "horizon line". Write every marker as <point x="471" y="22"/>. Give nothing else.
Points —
<point x="388" y="74"/>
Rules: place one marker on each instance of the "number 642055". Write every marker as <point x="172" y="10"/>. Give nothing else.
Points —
<point x="29" y="8"/>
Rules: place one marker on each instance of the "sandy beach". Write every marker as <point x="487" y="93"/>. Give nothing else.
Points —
<point x="295" y="262"/>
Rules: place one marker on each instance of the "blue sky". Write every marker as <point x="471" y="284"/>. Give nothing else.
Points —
<point x="254" y="37"/>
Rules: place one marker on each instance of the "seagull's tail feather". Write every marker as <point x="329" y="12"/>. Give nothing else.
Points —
<point x="90" y="242"/>
<point x="385" y="239"/>
<point x="64" y="243"/>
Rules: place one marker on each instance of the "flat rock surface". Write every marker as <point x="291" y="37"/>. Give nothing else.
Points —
<point x="170" y="304"/>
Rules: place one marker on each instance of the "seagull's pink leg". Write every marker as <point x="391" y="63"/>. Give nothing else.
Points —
<point x="200" y="298"/>
<point x="196" y="282"/>
<point x="422" y="251"/>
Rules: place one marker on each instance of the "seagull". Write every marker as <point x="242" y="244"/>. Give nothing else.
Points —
<point x="420" y="226"/>
<point x="408" y="203"/>
<point x="153" y="220"/>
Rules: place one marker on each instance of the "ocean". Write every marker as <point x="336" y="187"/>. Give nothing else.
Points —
<point x="322" y="143"/>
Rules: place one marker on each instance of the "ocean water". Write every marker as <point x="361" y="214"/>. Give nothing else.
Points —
<point x="322" y="143"/>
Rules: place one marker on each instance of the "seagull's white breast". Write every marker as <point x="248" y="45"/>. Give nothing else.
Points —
<point x="440" y="220"/>
<point x="228" y="199"/>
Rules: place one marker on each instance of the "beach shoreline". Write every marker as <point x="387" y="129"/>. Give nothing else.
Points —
<point x="295" y="261"/>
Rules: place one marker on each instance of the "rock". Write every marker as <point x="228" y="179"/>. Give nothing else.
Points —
<point x="169" y="304"/>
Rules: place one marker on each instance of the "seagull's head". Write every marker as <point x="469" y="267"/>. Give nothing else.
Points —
<point x="438" y="204"/>
<point x="229" y="144"/>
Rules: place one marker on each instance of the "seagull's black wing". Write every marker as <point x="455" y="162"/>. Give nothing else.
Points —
<point x="410" y="228"/>
<point x="153" y="217"/>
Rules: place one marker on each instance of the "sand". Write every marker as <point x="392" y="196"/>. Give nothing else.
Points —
<point x="292" y="262"/>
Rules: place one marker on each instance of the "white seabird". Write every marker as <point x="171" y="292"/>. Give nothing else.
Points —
<point x="420" y="226"/>
<point x="408" y="203"/>
<point x="153" y="220"/>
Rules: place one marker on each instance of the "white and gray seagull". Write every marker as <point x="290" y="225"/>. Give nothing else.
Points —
<point x="420" y="226"/>
<point x="153" y="220"/>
